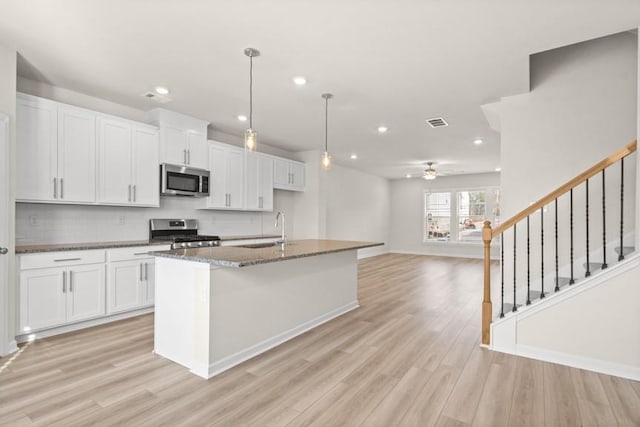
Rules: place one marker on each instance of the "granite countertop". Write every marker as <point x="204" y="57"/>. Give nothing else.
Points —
<point x="236" y="256"/>
<point x="250" y="237"/>
<point x="29" y="249"/>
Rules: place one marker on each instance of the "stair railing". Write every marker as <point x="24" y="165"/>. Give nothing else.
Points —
<point x="488" y="234"/>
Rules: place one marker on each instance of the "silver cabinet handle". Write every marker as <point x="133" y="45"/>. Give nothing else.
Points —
<point x="67" y="259"/>
<point x="55" y="188"/>
<point x="260" y="202"/>
<point x="134" y="192"/>
<point x="188" y="157"/>
<point x="62" y="188"/>
<point x="141" y="253"/>
<point x="229" y="199"/>
<point x="141" y="279"/>
<point x="4" y="251"/>
<point x="146" y="271"/>
<point x="129" y="199"/>
<point x="70" y="281"/>
<point x="64" y="282"/>
<point x="184" y="155"/>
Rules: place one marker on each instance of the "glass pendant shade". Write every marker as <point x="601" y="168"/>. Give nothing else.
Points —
<point x="250" y="140"/>
<point x="326" y="161"/>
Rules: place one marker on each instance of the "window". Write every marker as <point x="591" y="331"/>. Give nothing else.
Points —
<point x="466" y="208"/>
<point x="437" y="216"/>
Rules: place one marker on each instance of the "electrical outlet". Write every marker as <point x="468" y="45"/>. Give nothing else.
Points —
<point x="121" y="220"/>
<point x="33" y="220"/>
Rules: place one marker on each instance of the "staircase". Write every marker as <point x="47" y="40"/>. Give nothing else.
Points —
<point x="560" y="250"/>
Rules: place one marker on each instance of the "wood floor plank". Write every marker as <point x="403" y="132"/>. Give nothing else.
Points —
<point x="409" y="356"/>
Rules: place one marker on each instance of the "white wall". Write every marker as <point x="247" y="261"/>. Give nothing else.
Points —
<point x="407" y="214"/>
<point x="8" y="58"/>
<point x="357" y="207"/>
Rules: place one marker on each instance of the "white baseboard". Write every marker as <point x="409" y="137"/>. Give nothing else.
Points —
<point x="81" y="325"/>
<point x="12" y="347"/>
<point x="241" y="356"/>
<point x="602" y="366"/>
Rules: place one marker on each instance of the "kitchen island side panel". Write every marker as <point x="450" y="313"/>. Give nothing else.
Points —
<point x="254" y="306"/>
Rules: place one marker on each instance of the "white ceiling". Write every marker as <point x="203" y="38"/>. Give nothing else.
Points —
<point x="393" y="62"/>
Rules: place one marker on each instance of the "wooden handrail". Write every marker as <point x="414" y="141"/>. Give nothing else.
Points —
<point x="594" y="170"/>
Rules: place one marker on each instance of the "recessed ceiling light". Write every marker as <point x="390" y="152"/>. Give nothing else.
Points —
<point x="354" y="156"/>
<point x="299" y="80"/>
<point x="382" y="129"/>
<point x="498" y="169"/>
<point x="242" y="118"/>
<point x="408" y="175"/>
<point x="478" y="141"/>
<point x="161" y="90"/>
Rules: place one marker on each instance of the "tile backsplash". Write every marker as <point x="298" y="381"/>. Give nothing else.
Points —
<point x="50" y="223"/>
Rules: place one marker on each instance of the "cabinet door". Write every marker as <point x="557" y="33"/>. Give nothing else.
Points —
<point x="85" y="292"/>
<point x="124" y="286"/>
<point x="281" y="175"/>
<point x="148" y="297"/>
<point x="297" y="175"/>
<point x="36" y="149"/>
<point x="76" y="155"/>
<point x="218" y="177"/>
<point x="42" y="299"/>
<point x="266" y="183"/>
<point x="146" y="170"/>
<point x="198" y="154"/>
<point x="252" y="190"/>
<point x="235" y="178"/>
<point x="114" y="140"/>
<point x="174" y="145"/>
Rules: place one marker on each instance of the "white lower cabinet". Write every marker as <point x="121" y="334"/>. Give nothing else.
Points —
<point x="54" y="296"/>
<point x="61" y="288"/>
<point x="130" y="285"/>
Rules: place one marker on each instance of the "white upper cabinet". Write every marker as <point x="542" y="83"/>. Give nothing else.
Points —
<point x="289" y="174"/>
<point x="259" y="182"/>
<point x="227" y="177"/>
<point x="183" y="139"/>
<point x="128" y="170"/>
<point x="56" y="152"/>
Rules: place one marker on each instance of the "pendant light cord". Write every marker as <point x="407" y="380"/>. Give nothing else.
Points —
<point x="251" y="92"/>
<point x="326" y="122"/>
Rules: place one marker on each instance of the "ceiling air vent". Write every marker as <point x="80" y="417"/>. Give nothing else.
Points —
<point x="437" y="122"/>
<point x="162" y="99"/>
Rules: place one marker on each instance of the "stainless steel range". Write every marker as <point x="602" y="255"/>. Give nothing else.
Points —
<point x="182" y="233"/>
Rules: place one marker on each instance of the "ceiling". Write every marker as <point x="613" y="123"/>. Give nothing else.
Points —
<point x="393" y="63"/>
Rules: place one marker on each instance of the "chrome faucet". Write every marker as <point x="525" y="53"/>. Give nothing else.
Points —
<point x="283" y="240"/>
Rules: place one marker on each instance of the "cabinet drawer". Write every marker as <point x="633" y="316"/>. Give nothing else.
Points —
<point x="61" y="259"/>
<point x="137" y="252"/>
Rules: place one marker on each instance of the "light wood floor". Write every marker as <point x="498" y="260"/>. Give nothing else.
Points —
<point x="409" y="357"/>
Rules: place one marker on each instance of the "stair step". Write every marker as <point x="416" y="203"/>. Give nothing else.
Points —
<point x="626" y="250"/>
<point x="593" y="266"/>
<point x="562" y="281"/>
<point x="508" y="307"/>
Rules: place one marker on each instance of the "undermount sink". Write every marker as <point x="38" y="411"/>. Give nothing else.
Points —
<point x="262" y="245"/>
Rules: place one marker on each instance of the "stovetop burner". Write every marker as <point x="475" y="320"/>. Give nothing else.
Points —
<point x="182" y="233"/>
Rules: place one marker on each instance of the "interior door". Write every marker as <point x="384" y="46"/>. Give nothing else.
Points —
<point x="6" y="250"/>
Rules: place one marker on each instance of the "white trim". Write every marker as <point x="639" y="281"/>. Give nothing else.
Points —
<point x="7" y="345"/>
<point x="241" y="356"/>
<point x="82" y="325"/>
<point x="596" y="365"/>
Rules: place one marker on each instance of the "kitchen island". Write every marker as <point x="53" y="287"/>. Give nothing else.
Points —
<point x="217" y="307"/>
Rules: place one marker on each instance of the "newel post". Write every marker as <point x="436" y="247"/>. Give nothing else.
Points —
<point x="487" y="235"/>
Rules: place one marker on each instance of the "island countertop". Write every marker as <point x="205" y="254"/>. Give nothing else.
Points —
<point x="237" y="256"/>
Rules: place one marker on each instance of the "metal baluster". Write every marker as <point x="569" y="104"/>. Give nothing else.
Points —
<point x="621" y="254"/>
<point x="555" y="206"/>
<point x="515" y="308"/>
<point x="501" y="275"/>
<point x="604" y="226"/>
<point x="528" y="267"/>
<point x="542" y="294"/>
<point x="571" y="280"/>
<point x="588" y="272"/>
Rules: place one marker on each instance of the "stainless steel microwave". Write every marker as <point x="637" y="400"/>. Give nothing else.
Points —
<point x="178" y="180"/>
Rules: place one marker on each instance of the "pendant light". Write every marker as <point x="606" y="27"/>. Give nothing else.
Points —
<point x="429" y="173"/>
<point x="250" y="135"/>
<point x="326" y="157"/>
